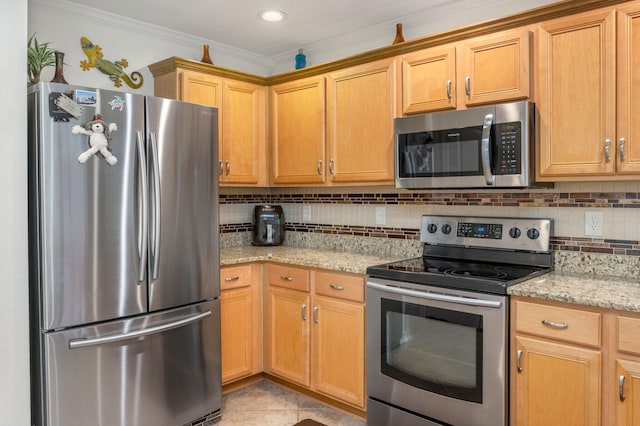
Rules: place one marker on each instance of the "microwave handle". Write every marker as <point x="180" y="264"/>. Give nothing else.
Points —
<point x="485" y="150"/>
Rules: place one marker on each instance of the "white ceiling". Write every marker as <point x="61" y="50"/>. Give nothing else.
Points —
<point x="236" y="23"/>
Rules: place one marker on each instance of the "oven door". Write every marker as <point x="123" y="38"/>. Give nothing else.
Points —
<point x="437" y="352"/>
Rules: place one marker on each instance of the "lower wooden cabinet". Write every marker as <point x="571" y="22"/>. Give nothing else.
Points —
<point x="573" y="365"/>
<point x="315" y="331"/>
<point x="240" y="323"/>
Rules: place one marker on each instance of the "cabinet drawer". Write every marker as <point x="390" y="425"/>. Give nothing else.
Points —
<point x="235" y="276"/>
<point x="569" y="325"/>
<point x="340" y="286"/>
<point x="289" y="277"/>
<point x="629" y="335"/>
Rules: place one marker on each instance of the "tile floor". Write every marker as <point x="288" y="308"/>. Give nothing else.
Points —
<point x="268" y="404"/>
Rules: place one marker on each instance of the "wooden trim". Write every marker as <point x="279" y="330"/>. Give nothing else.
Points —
<point x="170" y="64"/>
<point x="534" y="16"/>
<point x="242" y="383"/>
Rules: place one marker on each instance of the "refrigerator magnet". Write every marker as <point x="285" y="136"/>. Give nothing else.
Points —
<point x="99" y="137"/>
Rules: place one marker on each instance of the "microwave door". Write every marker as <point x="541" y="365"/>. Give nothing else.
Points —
<point x="485" y="150"/>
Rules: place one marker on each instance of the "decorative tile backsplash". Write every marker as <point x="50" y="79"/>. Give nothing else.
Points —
<point x="351" y="212"/>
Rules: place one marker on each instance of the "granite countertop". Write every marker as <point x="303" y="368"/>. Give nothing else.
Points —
<point x="602" y="292"/>
<point x="325" y="259"/>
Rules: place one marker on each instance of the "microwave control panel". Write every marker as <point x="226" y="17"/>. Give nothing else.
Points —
<point x="508" y="148"/>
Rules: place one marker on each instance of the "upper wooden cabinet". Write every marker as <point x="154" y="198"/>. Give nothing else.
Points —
<point x="478" y="71"/>
<point x="336" y="128"/>
<point x="361" y="105"/>
<point x="298" y="131"/>
<point x="588" y="95"/>
<point x="242" y="130"/>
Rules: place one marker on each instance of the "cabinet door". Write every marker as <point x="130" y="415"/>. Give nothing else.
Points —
<point x="576" y="96"/>
<point x="361" y="108"/>
<point x="243" y="132"/>
<point x="428" y="80"/>
<point x="200" y="88"/>
<point x="496" y="68"/>
<point x="338" y="354"/>
<point x="298" y="131"/>
<point x="289" y="335"/>
<point x="236" y="333"/>
<point x="557" y="384"/>
<point x="628" y="397"/>
<point x="628" y="143"/>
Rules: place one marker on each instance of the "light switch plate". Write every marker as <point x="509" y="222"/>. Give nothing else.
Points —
<point x="306" y="213"/>
<point x="380" y="216"/>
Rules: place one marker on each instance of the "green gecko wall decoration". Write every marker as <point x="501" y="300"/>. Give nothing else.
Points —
<point x="115" y="70"/>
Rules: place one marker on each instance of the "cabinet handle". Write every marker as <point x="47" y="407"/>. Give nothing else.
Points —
<point x="302" y="312"/>
<point x="228" y="168"/>
<point x="621" y="388"/>
<point x="467" y="85"/>
<point x="518" y="356"/>
<point x="221" y="169"/>
<point x="315" y="314"/>
<point x="622" y="142"/>
<point x="286" y="278"/>
<point x="560" y="325"/>
<point x="333" y="172"/>
<point x="607" y="143"/>
<point x="229" y="279"/>
<point x="449" y="89"/>
<point x="319" y="167"/>
<point x="337" y="287"/>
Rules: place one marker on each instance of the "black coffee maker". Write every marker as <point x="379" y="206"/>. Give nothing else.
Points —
<point x="268" y="226"/>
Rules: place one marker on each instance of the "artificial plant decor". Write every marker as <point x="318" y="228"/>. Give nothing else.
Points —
<point x="39" y="56"/>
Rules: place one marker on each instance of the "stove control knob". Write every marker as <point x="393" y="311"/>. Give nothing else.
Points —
<point x="533" y="233"/>
<point x="432" y="228"/>
<point x="515" y="232"/>
<point x="446" y="229"/>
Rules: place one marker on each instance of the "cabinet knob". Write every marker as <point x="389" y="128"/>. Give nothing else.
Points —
<point x="229" y="279"/>
<point x="622" y="156"/>
<point x="337" y="287"/>
<point x="621" y="388"/>
<point x="518" y="356"/>
<point x="228" y="168"/>
<point x="467" y="85"/>
<point x="319" y="167"/>
<point x="448" y="89"/>
<point x="303" y="312"/>
<point x="331" y="170"/>
<point x="221" y="169"/>
<point x="286" y="278"/>
<point x="315" y="314"/>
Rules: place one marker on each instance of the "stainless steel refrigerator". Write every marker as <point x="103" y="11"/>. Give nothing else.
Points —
<point x="124" y="260"/>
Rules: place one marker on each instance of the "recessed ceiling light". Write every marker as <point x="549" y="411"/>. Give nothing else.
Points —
<point x="272" y="15"/>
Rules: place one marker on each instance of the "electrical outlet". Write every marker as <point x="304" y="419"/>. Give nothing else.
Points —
<point x="306" y="213"/>
<point x="380" y="215"/>
<point x="593" y="223"/>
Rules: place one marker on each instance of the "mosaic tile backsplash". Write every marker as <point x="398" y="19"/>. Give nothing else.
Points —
<point x="320" y="215"/>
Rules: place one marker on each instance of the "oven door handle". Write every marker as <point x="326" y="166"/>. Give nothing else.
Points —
<point x="433" y="296"/>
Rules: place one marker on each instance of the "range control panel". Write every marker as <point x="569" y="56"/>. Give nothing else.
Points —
<point x="529" y="234"/>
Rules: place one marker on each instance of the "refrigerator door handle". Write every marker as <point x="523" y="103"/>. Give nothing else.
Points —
<point x="81" y="343"/>
<point x="143" y="199"/>
<point x="155" y="247"/>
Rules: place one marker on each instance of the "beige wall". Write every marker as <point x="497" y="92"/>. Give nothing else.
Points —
<point x="14" y="344"/>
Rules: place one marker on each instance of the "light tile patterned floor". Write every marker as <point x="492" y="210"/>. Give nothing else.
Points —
<point x="268" y="404"/>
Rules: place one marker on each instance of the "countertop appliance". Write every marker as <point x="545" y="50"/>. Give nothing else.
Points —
<point x="437" y="325"/>
<point x="123" y="241"/>
<point x="482" y="147"/>
<point x="268" y="225"/>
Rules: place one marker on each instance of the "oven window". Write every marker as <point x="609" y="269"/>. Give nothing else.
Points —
<point x="434" y="349"/>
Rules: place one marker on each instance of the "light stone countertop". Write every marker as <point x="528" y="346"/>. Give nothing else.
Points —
<point x="325" y="259"/>
<point x="598" y="291"/>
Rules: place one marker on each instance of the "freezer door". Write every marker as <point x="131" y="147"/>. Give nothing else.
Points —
<point x="86" y="224"/>
<point x="156" y="370"/>
<point x="183" y="214"/>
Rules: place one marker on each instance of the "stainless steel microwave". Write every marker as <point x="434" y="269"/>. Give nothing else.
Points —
<point x="481" y="147"/>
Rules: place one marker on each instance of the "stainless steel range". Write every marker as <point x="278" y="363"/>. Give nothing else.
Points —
<point x="437" y="325"/>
